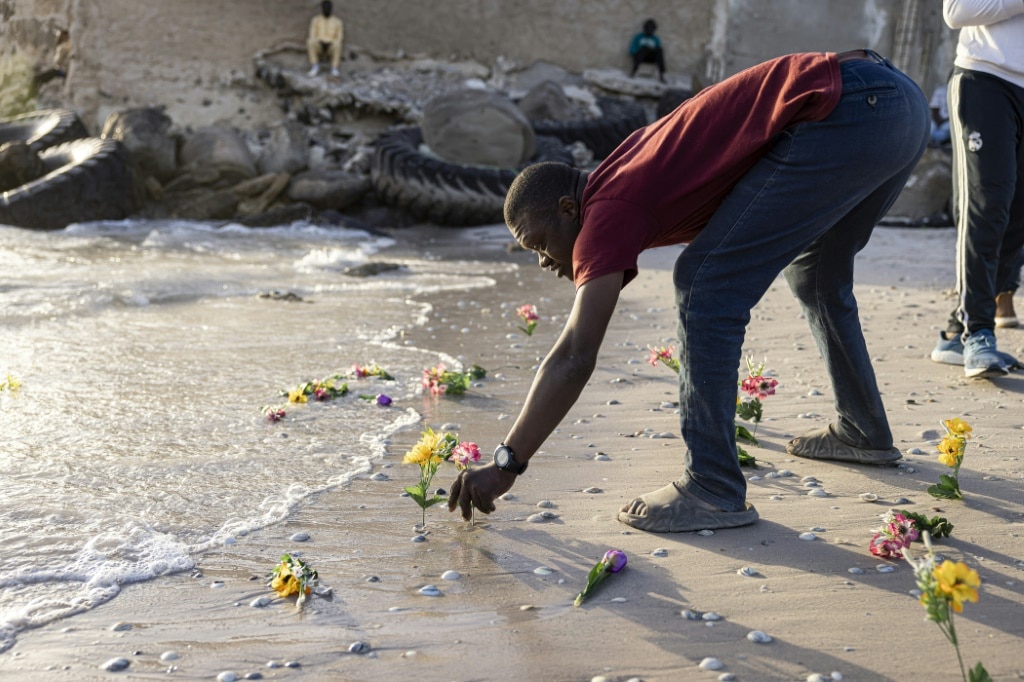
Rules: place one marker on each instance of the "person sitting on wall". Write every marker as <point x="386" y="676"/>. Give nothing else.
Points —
<point x="326" y="35"/>
<point x="646" y="49"/>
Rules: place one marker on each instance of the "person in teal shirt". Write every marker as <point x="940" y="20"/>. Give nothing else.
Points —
<point x="646" y="49"/>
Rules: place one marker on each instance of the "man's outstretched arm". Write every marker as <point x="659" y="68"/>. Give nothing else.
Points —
<point x="558" y="383"/>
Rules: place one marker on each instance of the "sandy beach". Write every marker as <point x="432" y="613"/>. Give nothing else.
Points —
<point x="504" y="619"/>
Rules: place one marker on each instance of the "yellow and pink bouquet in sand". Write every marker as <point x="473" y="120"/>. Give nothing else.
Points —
<point x="439" y="380"/>
<point x="429" y="453"/>
<point x="365" y="371"/>
<point x="317" y="389"/>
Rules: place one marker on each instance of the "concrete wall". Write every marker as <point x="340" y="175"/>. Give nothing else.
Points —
<point x="140" y="52"/>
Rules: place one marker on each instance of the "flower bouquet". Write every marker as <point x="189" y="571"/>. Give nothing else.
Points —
<point x="438" y="380"/>
<point x="364" y="371"/>
<point x="273" y="414"/>
<point x="528" y="314"/>
<point x="951" y="453"/>
<point x="317" y="389"/>
<point x="293" y="576"/>
<point x="613" y="561"/>
<point x="895" y="535"/>
<point x="944" y="589"/>
<point x="432" y="449"/>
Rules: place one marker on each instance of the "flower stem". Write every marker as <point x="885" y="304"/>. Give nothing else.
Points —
<point x="956" y="646"/>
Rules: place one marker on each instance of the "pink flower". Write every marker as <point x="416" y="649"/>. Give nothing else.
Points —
<point x="432" y="380"/>
<point x="359" y="372"/>
<point x="528" y="313"/>
<point x="321" y="394"/>
<point x="464" y="453"/>
<point x="274" y="414"/>
<point x="896" y="534"/>
<point x="759" y="386"/>
<point x="660" y="355"/>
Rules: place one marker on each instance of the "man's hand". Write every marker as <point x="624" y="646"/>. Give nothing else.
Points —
<point x="479" y="488"/>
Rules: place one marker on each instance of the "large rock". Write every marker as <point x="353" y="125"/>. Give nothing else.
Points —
<point x="287" y="150"/>
<point x="478" y="127"/>
<point x="326" y="189"/>
<point x="547" y="101"/>
<point x="18" y="165"/>
<point x="146" y="133"/>
<point x="220" y="148"/>
<point x="614" y="80"/>
<point x="925" y="198"/>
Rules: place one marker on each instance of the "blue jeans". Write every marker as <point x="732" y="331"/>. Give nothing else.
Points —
<point x="807" y="207"/>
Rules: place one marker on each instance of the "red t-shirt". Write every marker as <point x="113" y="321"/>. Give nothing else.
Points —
<point x="664" y="182"/>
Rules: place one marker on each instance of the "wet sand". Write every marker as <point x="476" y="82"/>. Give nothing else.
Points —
<point x="504" y="620"/>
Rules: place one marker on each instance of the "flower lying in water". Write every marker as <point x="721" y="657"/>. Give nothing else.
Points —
<point x="951" y="453"/>
<point x="944" y="589"/>
<point x="273" y="414"/>
<point x="439" y="380"/>
<point x="11" y="384"/>
<point x="293" y="576"/>
<point x="374" y="370"/>
<point x="528" y="314"/>
<point x="613" y="561"/>
<point x="895" y="535"/>
<point x="379" y="399"/>
<point x="317" y="389"/>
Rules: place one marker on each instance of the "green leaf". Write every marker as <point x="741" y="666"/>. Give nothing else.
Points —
<point x="749" y="411"/>
<point x="978" y="674"/>
<point x="746" y="459"/>
<point x="745" y="435"/>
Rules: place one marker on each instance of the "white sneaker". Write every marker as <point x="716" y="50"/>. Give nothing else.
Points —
<point x="314" y="70"/>
<point x="335" y="73"/>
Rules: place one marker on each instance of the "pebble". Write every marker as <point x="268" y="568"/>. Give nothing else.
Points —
<point x="379" y="476"/>
<point x="430" y="591"/>
<point x="706" y="532"/>
<point x="661" y="551"/>
<point x="710" y="663"/>
<point x="726" y="677"/>
<point x="817" y="492"/>
<point x="419" y="538"/>
<point x="540" y="518"/>
<point x="260" y="602"/>
<point x="601" y="457"/>
<point x="121" y="626"/>
<point x="227" y="676"/>
<point x="817" y="529"/>
<point x="916" y="451"/>
<point x="885" y="568"/>
<point x="808" y="479"/>
<point x="775" y="498"/>
<point x="217" y="584"/>
<point x="116" y="665"/>
<point x="169" y="656"/>
<point x="747" y="571"/>
<point x="292" y="664"/>
<point x="758" y="637"/>
<point x="618" y="600"/>
<point x="300" y="537"/>
<point x="273" y="664"/>
<point x="253" y="676"/>
<point x="507" y="497"/>
<point x="813" y="392"/>
<point x="711" y="616"/>
<point x="690" y="614"/>
<point x="808" y="536"/>
<point x="451" y="575"/>
<point x="358" y="648"/>
<point x="812" y="484"/>
<point x="613" y="401"/>
<point x="868" y="497"/>
<point x="543" y="570"/>
<point x="755" y="478"/>
<point x="527" y="607"/>
<point x="901" y="500"/>
<point x="545" y="504"/>
<point x="372" y="579"/>
<point x="855" y="570"/>
<point x="593" y="491"/>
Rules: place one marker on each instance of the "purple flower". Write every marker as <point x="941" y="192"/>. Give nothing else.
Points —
<point x="614" y="560"/>
<point x="383" y="400"/>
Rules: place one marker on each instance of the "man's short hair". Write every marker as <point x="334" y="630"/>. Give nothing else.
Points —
<point x="537" y="189"/>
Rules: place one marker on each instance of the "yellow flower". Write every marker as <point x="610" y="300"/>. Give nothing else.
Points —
<point x="957" y="583"/>
<point x="12" y="383"/>
<point x="419" y="454"/>
<point x="430" y="439"/>
<point x="950" y="450"/>
<point x="297" y="395"/>
<point x="958" y="426"/>
<point x="284" y="583"/>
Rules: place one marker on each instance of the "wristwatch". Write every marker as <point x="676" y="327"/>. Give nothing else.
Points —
<point x="505" y="460"/>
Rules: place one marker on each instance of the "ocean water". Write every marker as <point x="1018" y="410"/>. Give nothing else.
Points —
<point x="146" y="352"/>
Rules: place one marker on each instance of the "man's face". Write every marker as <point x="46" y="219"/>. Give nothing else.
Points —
<point x="552" y="240"/>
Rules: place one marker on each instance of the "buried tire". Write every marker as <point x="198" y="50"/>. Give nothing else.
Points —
<point x="601" y="135"/>
<point x="442" y="192"/>
<point x="87" y="179"/>
<point x="42" y="129"/>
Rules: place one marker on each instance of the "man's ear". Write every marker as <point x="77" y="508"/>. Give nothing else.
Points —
<point x="567" y="206"/>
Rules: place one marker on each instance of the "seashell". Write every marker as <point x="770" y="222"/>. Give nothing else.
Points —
<point x="808" y="536"/>
<point x="710" y="663"/>
<point x="543" y="570"/>
<point x="227" y="676"/>
<point x="812" y="484"/>
<point x="885" y="568"/>
<point x="169" y="656"/>
<point x="690" y="614"/>
<point x="817" y="529"/>
<point x="758" y="637"/>
<point x="299" y="537"/>
<point x="430" y="591"/>
<point x="451" y="575"/>
<point x="536" y="518"/>
<point x="260" y="602"/>
<point x="817" y="492"/>
<point x="527" y="607"/>
<point x="868" y="497"/>
<point x="785" y="473"/>
<point x="755" y="478"/>
<point x="775" y="498"/>
<point x="661" y="551"/>
<point x="419" y="538"/>
<point x="711" y="616"/>
<point x="116" y="665"/>
<point x="747" y="571"/>
<point x="808" y="479"/>
<point x="358" y="648"/>
<point x="619" y="600"/>
<point x="379" y="476"/>
<point x="601" y="457"/>
<point x="855" y="570"/>
<point x="916" y="451"/>
<point x="901" y="500"/>
<point x="593" y="491"/>
<point x="507" y="497"/>
<point x="706" y="532"/>
<point x="545" y="504"/>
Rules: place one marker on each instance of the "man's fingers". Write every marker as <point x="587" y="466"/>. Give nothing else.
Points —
<point x="453" y="498"/>
<point x="466" y="504"/>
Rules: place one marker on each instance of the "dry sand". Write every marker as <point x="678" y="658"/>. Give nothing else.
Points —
<point x="504" y="621"/>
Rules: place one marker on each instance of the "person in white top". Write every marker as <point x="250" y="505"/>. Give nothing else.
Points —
<point x="986" y="110"/>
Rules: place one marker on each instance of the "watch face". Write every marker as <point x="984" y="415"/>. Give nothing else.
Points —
<point x="502" y="457"/>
